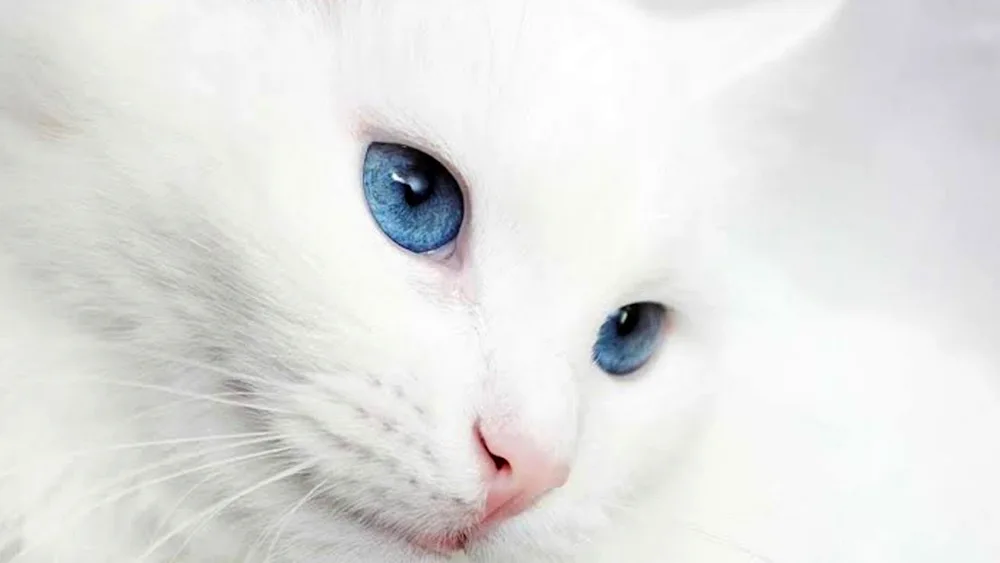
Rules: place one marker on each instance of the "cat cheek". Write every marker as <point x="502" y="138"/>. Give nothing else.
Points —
<point x="465" y="288"/>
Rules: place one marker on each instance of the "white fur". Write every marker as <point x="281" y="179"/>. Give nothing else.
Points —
<point x="187" y="268"/>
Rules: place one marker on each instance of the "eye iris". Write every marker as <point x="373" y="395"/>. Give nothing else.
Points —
<point x="629" y="338"/>
<point x="413" y="198"/>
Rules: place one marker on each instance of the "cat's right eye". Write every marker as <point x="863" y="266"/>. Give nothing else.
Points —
<point x="413" y="198"/>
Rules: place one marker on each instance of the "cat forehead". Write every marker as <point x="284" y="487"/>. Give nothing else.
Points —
<point x="551" y="114"/>
<point x="486" y="68"/>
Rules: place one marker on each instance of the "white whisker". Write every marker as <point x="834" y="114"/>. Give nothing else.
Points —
<point x="109" y="500"/>
<point x="202" y="518"/>
<point x="283" y="522"/>
<point x="75" y="456"/>
<point x="168" y="514"/>
<point x="187" y="401"/>
<point x="178" y="474"/>
<point x="168" y="358"/>
<point x="723" y="542"/>
<point x="170" y="391"/>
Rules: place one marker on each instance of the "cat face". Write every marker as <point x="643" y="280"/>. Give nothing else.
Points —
<point x="449" y="258"/>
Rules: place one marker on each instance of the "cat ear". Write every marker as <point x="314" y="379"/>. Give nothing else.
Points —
<point x="717" y="42"/>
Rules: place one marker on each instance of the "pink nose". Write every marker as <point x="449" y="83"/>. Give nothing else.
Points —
<point x="517" y="473"/>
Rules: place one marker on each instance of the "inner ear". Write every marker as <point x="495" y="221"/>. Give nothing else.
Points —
<point x="721" y="41"/>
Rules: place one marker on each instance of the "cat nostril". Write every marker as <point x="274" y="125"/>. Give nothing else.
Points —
<point x="498" y="462"/>
<point x="490" y="462"/>
<point x="516" y="473"/>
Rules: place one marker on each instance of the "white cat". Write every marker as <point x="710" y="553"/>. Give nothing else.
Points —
<point x="310" y="281"/>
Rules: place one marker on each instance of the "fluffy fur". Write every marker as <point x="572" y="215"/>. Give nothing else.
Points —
<point x="208" y="351"/>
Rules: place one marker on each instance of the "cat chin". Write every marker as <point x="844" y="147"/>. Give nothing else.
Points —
<point x="551" y="532"/>
<point x="540" y="535"/>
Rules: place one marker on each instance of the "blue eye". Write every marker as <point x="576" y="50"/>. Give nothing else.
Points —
<point x="414" y="200"/>
<point x="629" y="337"/>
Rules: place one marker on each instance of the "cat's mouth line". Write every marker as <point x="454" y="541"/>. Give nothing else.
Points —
<point x="451" y="543"/>
<point x="455" y="534"/>
<point x="442" y="545"/>
<point x="440" y="542"/>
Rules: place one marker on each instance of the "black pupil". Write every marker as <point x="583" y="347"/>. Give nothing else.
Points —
<point x="416" y="188"/>
<point x="628" y="319"/>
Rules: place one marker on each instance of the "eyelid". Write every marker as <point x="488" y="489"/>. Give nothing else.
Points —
<point x="445" y="253"/>
<point x="376" y="129"/>
<point x="372" y="127"/>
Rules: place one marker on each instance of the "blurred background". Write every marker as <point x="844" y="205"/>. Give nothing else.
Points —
<point x="879" y="152"/>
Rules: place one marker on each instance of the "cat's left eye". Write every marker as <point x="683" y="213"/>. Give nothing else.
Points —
<point x="413" y="198"/>
<point x="629" y="337"/>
